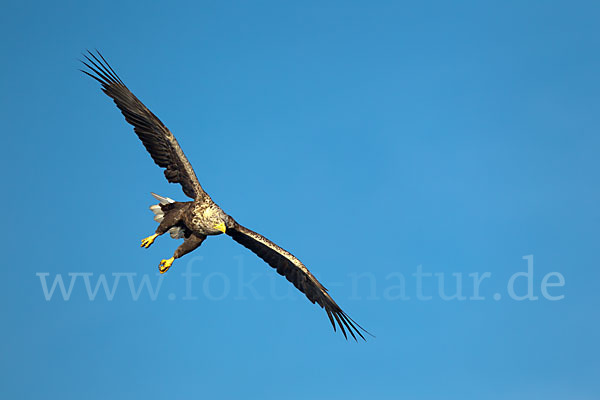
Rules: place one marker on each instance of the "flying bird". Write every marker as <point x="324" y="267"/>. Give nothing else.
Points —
<point x="195" y="220"/>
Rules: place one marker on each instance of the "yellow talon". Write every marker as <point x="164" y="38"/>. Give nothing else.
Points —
<point x="165" y="265"/>
<point x="148" y="241"/>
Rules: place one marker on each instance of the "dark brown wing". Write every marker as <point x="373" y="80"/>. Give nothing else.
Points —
<point x="158" y="140"/>
<point x="290" y="267"/>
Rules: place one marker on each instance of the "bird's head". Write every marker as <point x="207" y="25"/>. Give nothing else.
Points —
<point x="221" y="221"/>
<point x="220" y="226"/>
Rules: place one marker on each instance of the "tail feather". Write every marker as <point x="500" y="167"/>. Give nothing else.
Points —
<point x="163" y="200"/>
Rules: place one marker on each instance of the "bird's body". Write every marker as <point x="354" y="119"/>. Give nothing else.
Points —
<point x="195" y="220"/>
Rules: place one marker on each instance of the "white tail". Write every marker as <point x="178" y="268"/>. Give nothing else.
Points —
<point x="163" y="200"/>
<point x="176" y="232"/>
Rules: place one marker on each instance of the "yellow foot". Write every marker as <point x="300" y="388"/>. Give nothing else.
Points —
<point x="149" y="240"/>
<point x="165" y="265"/>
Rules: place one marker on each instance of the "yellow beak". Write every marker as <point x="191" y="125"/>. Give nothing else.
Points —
<point x="220" y="226"/>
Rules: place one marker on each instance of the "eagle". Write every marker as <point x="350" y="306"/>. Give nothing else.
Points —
<point x="195" y="220"/>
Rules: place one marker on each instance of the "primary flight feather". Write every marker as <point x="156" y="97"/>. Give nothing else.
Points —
<point x="195" y="220"/>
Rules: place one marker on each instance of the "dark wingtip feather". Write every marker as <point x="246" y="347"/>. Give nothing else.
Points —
<point x="350" y="326"/>
<point x="98" y="75"/>
<point x="337" y="318"/>
<point x="90" y="75"/>
<point x="106" y="68"/>
<point x="109" y="67"/>
<point x="344" y="321"/>
<point x="101" y="69"/>
<point x="357" y="327"/>
<point x="331" y="319"/>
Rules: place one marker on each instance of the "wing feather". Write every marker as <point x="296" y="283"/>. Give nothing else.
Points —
<point x="289" y="266"/>
<point x="156" y="138"/>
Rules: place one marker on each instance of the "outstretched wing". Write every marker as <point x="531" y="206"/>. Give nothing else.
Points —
<point x="158" y="140"/>
<point x="290" y="267"/>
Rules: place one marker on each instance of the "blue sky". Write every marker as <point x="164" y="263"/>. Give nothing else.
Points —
<point x="371" y="139"/>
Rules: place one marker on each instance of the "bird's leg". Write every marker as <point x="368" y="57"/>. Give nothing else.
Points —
<point x="148" y="241"/>
<point x="190" y="244"/>
<point x="169" y="220"/>
<point x="165" y="265"/>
